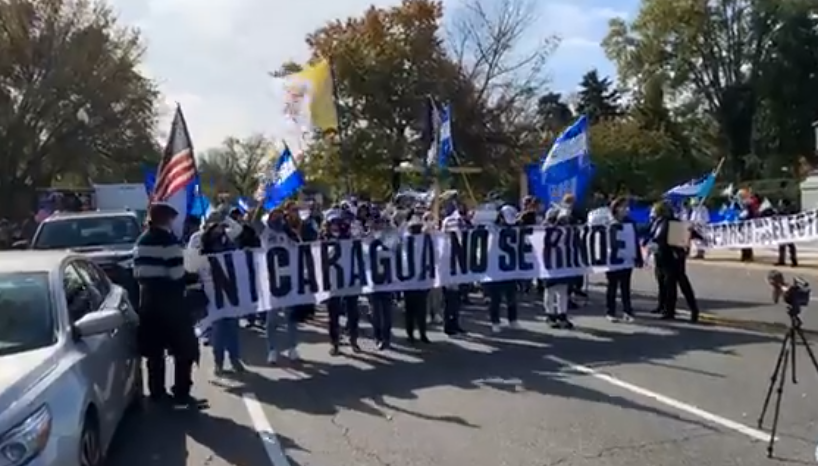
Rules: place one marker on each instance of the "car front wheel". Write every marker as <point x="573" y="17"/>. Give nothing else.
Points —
<point x="90" y="444"/>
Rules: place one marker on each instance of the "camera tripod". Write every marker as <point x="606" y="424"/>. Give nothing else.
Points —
<point x="786" y="357"/>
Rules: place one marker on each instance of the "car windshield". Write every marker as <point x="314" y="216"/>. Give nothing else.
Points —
<point x="27" y="320"/>
<point x="86" y="231"/>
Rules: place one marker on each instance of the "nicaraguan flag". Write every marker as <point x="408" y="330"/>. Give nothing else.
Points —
<point x="243" y="205"/>
<point x="286" y="180"/>
<point x="445" y="136"/>
<point x="699" y="187"/>
<point x="569" y="154"/>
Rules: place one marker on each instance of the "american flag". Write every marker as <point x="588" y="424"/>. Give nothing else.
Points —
<point x="178" y="167"/>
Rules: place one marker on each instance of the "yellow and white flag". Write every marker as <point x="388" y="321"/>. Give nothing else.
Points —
<point x="309" y="97"/>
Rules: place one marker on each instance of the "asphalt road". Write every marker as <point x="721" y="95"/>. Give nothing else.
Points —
<point x="605" y="394"/>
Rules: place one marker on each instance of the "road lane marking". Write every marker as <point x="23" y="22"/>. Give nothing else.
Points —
<point x="265" y="431"/>
<point x="676" y="404"/>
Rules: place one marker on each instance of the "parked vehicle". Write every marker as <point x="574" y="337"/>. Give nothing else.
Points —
<point x="69" y="364"/>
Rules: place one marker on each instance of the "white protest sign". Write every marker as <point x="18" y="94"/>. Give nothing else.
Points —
<point x="249" y="281"/>
<point x="763" y="232"/>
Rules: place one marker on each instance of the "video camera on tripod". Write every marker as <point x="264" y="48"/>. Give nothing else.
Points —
<point x="796" y="295"/>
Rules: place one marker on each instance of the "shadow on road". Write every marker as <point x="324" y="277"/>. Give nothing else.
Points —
<point x="161" y="436"/>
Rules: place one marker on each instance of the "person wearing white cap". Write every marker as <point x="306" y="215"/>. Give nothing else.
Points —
<point x="452" y="296"/>
<point x="166" y="325"/>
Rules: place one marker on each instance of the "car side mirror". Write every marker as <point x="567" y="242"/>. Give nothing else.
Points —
<point x="20" y="244"/>
<point x="99" y="322"/>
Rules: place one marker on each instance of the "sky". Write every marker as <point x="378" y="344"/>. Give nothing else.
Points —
<point x="213" y="56"/>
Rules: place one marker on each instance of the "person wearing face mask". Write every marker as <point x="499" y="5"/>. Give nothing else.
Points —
<point x="415" y="301"/>
<point x="299" y="231"/>
<point x="166" y="325"/>
<point x="224" y="333"/>
<point x="620" y="280"/>
<point x="452" y="295"/>
<point x="556" y="294"/>
<point x="338" y="305"/>
<point x="500" y="291"/>
<point x="381" y="303"/>
<point x="273" y="234"/>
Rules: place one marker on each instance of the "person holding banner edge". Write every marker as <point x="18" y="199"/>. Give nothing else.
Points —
<point x="620" y="280"/>
<point x="503" y="290"/>
<point x="337" y="305"/>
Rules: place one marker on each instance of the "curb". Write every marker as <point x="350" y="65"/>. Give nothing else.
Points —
<point x="803" y="269"/>
<point x="746" y="324"/>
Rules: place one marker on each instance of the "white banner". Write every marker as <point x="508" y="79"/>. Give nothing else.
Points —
<point x="248" y="281"/>
<point x="763" y="232"/>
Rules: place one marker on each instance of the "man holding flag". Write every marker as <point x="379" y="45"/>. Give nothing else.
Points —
<point x="166" y="324"/>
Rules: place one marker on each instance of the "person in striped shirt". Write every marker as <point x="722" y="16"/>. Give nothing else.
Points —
<point x="166" y="325"/>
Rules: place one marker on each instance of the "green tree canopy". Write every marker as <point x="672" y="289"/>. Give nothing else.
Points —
<point x="72" y="102"/>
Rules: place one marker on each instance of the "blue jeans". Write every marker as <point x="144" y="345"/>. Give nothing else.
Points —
<point x="381" y="305"/>
<point x="275" y="318"/>
<point x="225" y="340"/>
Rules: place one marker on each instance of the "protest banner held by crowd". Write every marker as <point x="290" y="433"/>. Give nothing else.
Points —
<point x="244" y="282"/>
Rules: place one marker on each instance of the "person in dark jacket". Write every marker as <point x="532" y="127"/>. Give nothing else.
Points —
<point x="785" y="207"/>
<point x="224" y="337"/>
<point x="500" y="291"/>
<point x="166" y="325"/>
<point x="415" y="301"/>
<point x="299" y="231"/>
<point x="381" y="303"/>
<point x="620" y="280"/>
<point x="670" y="263"/>
<point x="338" y="305"/>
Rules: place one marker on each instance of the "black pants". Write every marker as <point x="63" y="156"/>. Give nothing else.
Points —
<point x="619" y="281"/>
<point x="415" y="303"/>
<point x="499" y="292"/>
<point x="782" y="250"/>
<point x="747" y="255"/>
<point x="158" y="336"/>
<point x="336" y="307"/>
<point x="182" y="376"/>
<point x="452" y="301"/>
<point x="674" y="275"/>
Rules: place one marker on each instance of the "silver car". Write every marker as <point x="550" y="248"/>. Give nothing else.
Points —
<point x="69" y="365"/>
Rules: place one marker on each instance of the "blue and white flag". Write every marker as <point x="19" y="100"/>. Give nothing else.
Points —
<point x="568" y="155"/>
<point x="243" y="205"/>
<point x="441" y="146"/>
<point x="566" y="168"/>
<point x="286" y="180"/>
<point x="698" y="188"/>
<point x="445" y="137"/>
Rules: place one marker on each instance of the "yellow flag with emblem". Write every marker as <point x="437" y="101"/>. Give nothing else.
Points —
<point x="311" y="96"/>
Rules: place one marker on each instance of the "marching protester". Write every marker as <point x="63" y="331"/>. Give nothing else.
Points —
<point x="620" y="280"/>
<point x="338" y="305"/>
<point x="670" y="264"/>
<point x="452" y="296"/>
<point x="299" y="231"/>
<point x="500" y="291"/>
<point x="380" y="303"/>
<point x="224" y="336"/>
<point x="415" y="301"/>
<point x="165" y="323"/>
<point x="435" y="300"/>
<point x="556" y="294"/>
<point x="273" y="234"/>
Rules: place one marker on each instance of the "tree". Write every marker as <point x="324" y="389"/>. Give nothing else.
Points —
<point x="72" y="103"/>
<point x="503" y="58"/>
<point x="597" y="100"/>
<point x="788" y="104"/>
<point x="553" y="113"/>
<point x="385" y="64"/>
<point x="236" y="165"/>
<point x="712" y="52"/>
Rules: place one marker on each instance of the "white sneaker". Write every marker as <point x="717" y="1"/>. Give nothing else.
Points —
<point x="272" y="357"/>
<point x="293" y="355"/>
<point x="628" y="318"/>
<point x="612" y="318"/>
<point x="514" y="325"/>
<point x="495" y="328"/>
